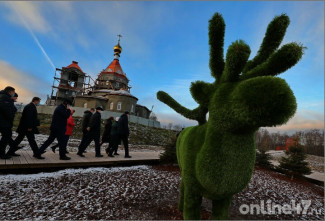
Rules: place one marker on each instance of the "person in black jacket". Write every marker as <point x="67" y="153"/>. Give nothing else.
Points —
<point x="7" y="115"/>
<point x="58" y="129"/>
<point x="107" y="132"/>
<point x="85" y="123"/>
<point x="27" y="127"/>
<point x="94" y="133"/>
<point x="124" y="132"/>
<point x="11" y="142"/>
<point x="114" y="139"/>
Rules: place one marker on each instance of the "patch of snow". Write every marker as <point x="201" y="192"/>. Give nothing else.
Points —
<point x="30" y="177"/>
<point x="119" y="92"/>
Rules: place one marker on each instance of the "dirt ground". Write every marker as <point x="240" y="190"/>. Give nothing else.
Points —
<point x="138" y="192"/>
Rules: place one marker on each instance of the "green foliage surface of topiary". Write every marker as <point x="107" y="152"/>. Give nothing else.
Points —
<point x="217" y="157"/>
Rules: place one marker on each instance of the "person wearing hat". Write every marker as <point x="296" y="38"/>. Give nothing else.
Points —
<point x="94" y="133"/>
<point x="124" y="132"/>
<point x="58" y="129"/>
<point x="27" y="127"/>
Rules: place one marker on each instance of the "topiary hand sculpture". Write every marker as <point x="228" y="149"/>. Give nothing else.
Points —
<point x="217" y="157"/>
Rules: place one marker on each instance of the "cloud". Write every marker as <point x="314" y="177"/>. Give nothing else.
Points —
<point x="30" y="17"/>
<point x="30" y="13"/>
<point x="175" y="119"/>
<point x="136" y="22"/>
<point x="303" y="120"/>
<point x="25" y="85"/>
<point x="307" y="28"/>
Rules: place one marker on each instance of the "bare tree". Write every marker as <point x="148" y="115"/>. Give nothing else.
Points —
<point x="177" y="127"/>
<point x="153" y="116"/>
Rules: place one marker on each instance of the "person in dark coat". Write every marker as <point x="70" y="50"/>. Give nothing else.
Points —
<point x="94" y="133"/>
<point x="68" y="132"/>
<point x="124" y="132"/>
<point x="114" y="139"/>
<point x="27" y="127"/>
<point x="85" y="124"/>
<point x="11" y="142"/>
<point x="107" y="132"/>
<point x="7" y="115"/>
<point x="58" y="129"/>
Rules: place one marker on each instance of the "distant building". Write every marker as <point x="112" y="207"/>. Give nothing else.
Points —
<point x="71" y="83"/>
<point x="110" y="90"/>
<point x="289" y="143"/>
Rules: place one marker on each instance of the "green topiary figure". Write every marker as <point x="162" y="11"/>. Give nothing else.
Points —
<point x="217" y="157"/>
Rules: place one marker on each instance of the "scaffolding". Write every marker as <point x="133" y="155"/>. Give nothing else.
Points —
<point x="69" y="88"/>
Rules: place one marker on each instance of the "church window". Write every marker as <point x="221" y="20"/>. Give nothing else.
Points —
<point x="111" y="106"/>
<point x="119" y="106"/>
<point x="132" y="108"/>
<point x="85" y="105"/>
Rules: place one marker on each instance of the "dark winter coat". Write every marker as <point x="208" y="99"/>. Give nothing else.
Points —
<point x="7" y="110"/>
<point x="59" y="119"/>
<point x="107" y="131"/>
<point x="95" y="122"/>
<point x="114" y="129"/>
<point x="114" y="137"/>
<point x="123" y="126"/>
<point x="29" y="119"/>
<point x="86" y="119"/>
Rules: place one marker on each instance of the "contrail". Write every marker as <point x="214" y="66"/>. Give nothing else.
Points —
<point x="35" y="39"/>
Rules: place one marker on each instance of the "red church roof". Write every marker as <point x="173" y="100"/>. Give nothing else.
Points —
<point x="114" y="67"/>
<point x="74" y="64"/>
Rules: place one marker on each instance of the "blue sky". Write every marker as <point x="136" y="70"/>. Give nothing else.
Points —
<point x="165" y="47"/>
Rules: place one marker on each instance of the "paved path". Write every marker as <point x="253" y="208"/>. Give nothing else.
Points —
<point x="26" y="160"/>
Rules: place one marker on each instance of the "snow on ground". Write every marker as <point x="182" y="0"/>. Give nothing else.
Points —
<point x="268" y="185"/>
<point x="139" y="192"/>
<point x="315" y="162"/>
<point x="95" y="193"/>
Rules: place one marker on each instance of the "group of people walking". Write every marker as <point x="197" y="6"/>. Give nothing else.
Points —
<point x="27" y="125"/>
<point x="61" y="128"/>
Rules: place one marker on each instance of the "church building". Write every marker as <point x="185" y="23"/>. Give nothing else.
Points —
<point x="111" y="89"/>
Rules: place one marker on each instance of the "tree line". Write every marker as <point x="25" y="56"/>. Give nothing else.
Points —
<point x="312" y="141"/>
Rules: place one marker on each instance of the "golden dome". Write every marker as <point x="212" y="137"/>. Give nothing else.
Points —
<point x="118" y="47"/>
